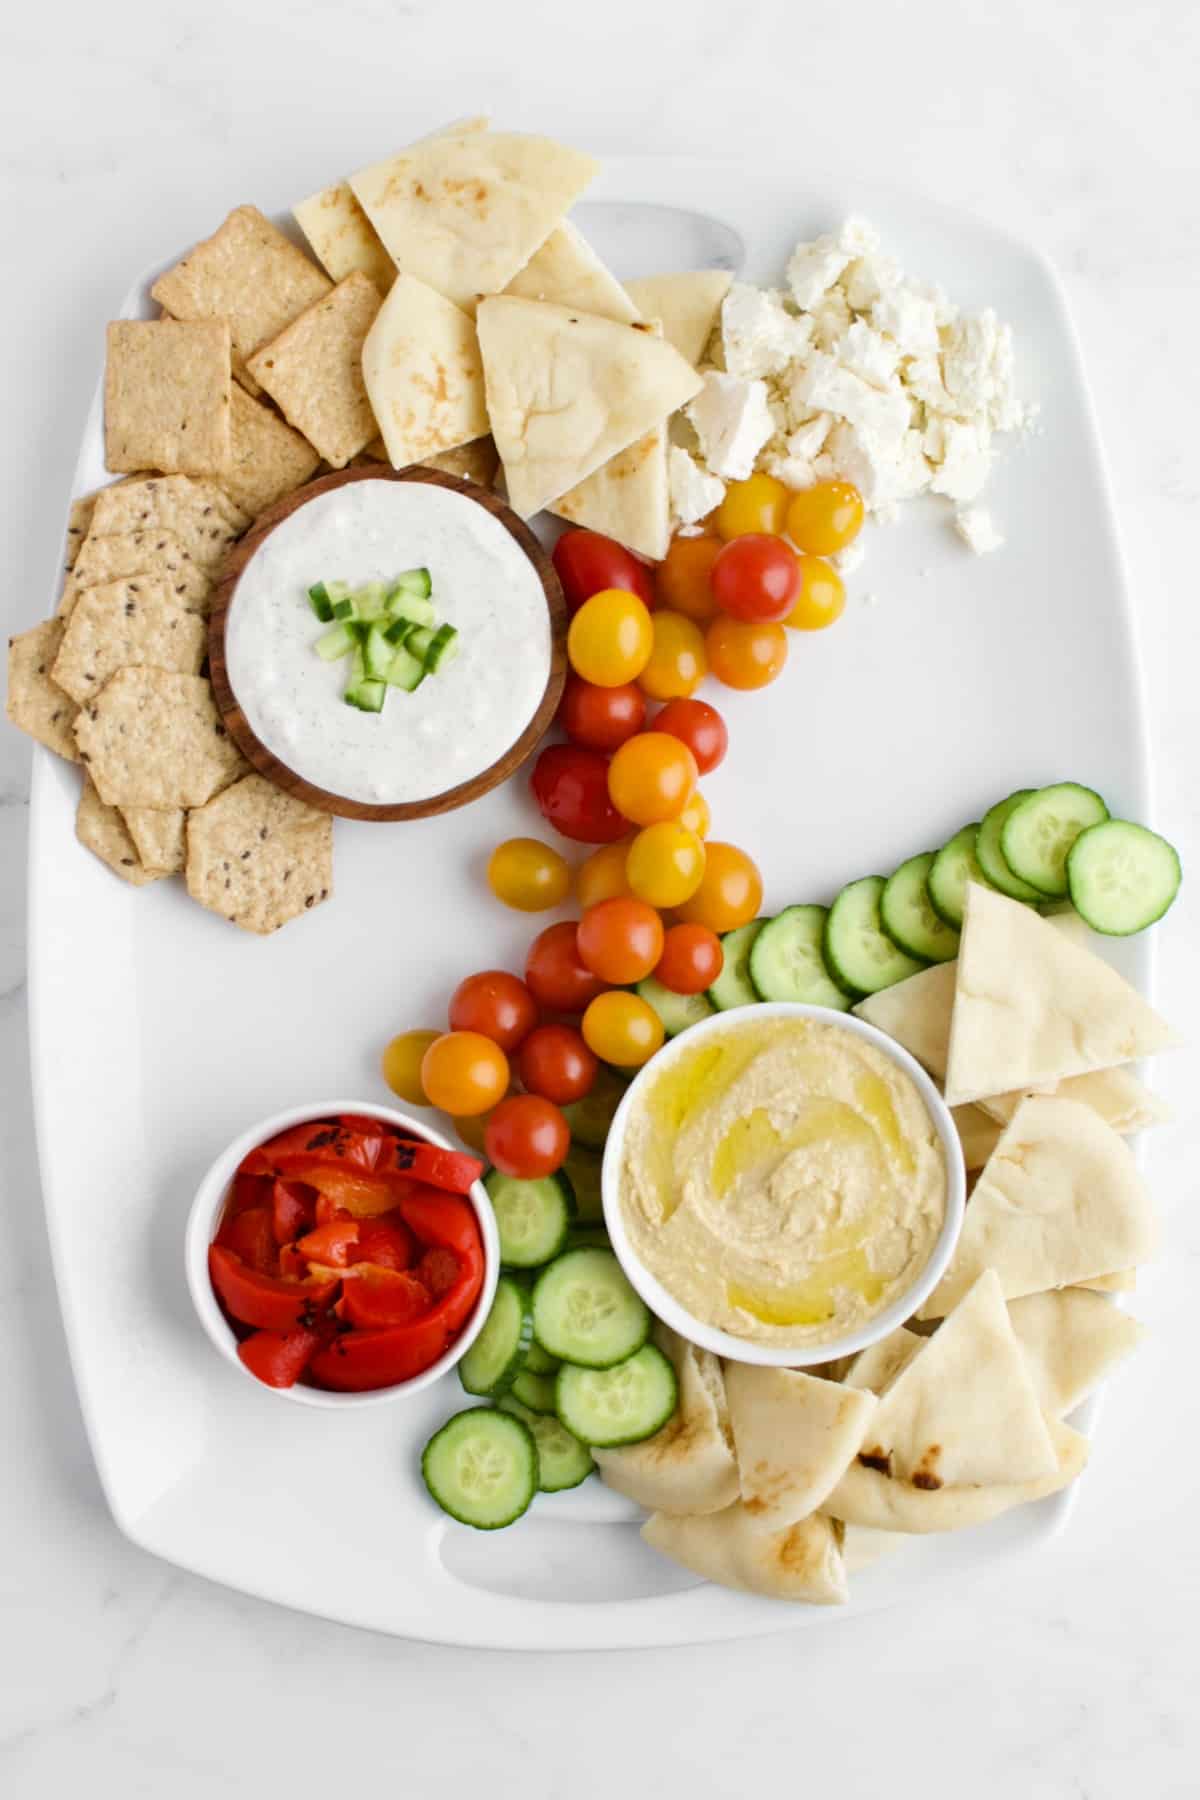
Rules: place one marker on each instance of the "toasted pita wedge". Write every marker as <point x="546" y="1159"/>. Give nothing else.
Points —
<point x="628" y="498"/>
<point x="567" y="392"/>
<point x="917" y="1013"/>
<point x="876" y="1367"/>
<point x="1070" y="1340"/>
<point x="863" y="1546"/>
<point x="794" y="1436"/>
<point x="688" y="306"/>
<point x="423" y="375"/>
<point x="1119" y="1097"/>
<point x="566" y="271"/>
<point x="1032" y="1006"/>
<point x="977" y="1133"/>
<point x="465" y="212"/>
<point x="1121" y="1281"/>
<point x="801" y="1562"/>
<point x="688" y="1467"/>
<point x="1061" y="1201"/>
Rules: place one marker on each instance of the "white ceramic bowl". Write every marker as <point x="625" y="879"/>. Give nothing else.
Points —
<point x="206" y="1212"/>
<point x="724" y="1343"/>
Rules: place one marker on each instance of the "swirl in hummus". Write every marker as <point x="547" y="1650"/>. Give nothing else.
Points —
<point x="783" y="1179"/>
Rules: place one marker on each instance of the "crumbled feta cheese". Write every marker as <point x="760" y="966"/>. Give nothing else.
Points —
<point x="793" y="471"/>
<point x="694" y="493"/>
<point x="908" y="316"/>
<point x="977" y="530"/>
<point x="882" y="468"/>
<point x="857" y="237"/>
<point x="967" y="357"/>
<point x="923" y="379"/>
<point x="867" y="278"/>
<point x="813" y="269"/>
<point x="831" y="319"/>
<point x="759" y="337"/>
<point x="733" y="422"/>
<point x="822" y="385"/>
<point x="869" y="354"/>
<point x="808" y="439"/>
<point x="966" y="458"/>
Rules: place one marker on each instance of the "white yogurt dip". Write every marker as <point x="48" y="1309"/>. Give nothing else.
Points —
<point x="459" y="721"/>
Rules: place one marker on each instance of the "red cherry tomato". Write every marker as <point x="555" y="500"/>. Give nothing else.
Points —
<point x="571" y="789"/>
<point x="556" y="974"/>
<point x="620" y="940"/>
<point x="555" y="1062"/>
<point x="496" y="1005"/>
<point x="587" y="563"/>
<point x="699" y="726"/>
<point x="691" y="959"/>
<point x="757" y="578"/>
<point x="601" y="718"/>
<point x="527" y="1137"/>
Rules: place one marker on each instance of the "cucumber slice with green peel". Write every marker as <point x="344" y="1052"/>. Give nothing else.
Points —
<point x="860" y="955"/>
<point x="991" y="856"/>
<point x="733" y="986"/>
<point x="368" y="695"/>
<point x="532" y="1217"/>
<point x="1037" y="835"/>
<point x="377" y="654"/>
<point x="1122" y="877"/>
<point x="539" y="1361"/>
<point x="787" y="962"/>
<point x="415" y="582"/>
<point x="582" y="1169"/>
<point x="590" y="1118"/>
<point x="952" y="868"/>
<point x="341" y="640"/>
<point x="443" y="649"/>
<point x="398" y="630"/>
<point x="586" y="1312"/>
<point x="677" y="1011"/>
<point x="501" y="1350"/>
<point x="405" y="671"/>
<point x="482" y="1467"/>
<point x="370" y="601"/>
<point x="344" y="610"/>
<point x="321" y="601"/>
<point x="534" y="1391"/>
<point x="563" y="1462"/>
<point x="418" y="642"/>
<point x="907" y="915"/>
<point x="620" y="1405"/>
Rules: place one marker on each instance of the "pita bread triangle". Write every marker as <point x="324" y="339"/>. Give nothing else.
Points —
<point x="916" y="1012"/>
<point x="794" y="1435"/>
<point x="799" y="1562"/>
<point x="688" y="1467"/>
<point x="1120" y="1098"/>
<point x="688" y="306"/>
<point x="566" y="392"/>
<point x="1071" y="1339"/>
<point x="566" y="271"/>
<point x="422" y="373"/>
<point x="1032" y="1006"/>
<point x="627" y="498"/>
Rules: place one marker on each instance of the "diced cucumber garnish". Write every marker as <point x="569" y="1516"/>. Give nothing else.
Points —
<point x="733" y="986"/>
<point x="419" y="641"/>
<point x="534" y="1391"/>
<point x="405" y="671"/>
<point x="368" y="695"/>
<point x="377" y="654"/>
<point x="482" y="1467"/>
<point x="501" y="1350"/>
<point x="787" y="961"/>
<point x="906" y="913"/>
<point x="677" y="1011"/>
<point x="345" y="610"/>
<point x="443" y="649"/>
<point x="321" y="601"/>
<point x="991" y="857"/>
<point x="415" y="582"/>
<point x="563" y="1462"/>
<point x="861" y="956"/>
<point x="1036" y="837"/>
<point x="1122" y="877"/>
<point x="619" y="1405"/>
<point x="952" y="868"/>
<point x="586" y="1312"/>
<point x="341" y="641"/>
<point x="532" y="1217"/>
<point x="591" y="1117"/>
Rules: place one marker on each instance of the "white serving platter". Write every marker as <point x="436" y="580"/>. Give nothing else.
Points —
<point x="159" y="1032"/>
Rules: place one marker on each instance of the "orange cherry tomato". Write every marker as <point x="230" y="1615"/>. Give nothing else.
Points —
<point x="555" y="974"/>
<point x="620" y="940"/>
<point x="527" y="1136"/>
<point x="601" y="876"/>
<point x="496" y="1005"/>
<point x="757" y="504"/>
<point x="464" y="1073"/>
<point x="825" y="517"/>
<point x="684" y="582"/>
<point x="622" y="1029"/>
<point x="744" y="655"/>
<point x="652" y="777"/>
<point x="822" y="597"/>
<point x="730" y="893"/>
<point x="696" y="815"/>
<point x="699" y="726"/>
<point x="555" y="1062"/>
<point x="692" y="959"/>
<point x="528" y="875"/>
<point x="665" y="863"/>
<point x="678" y="662"/>
<point x="402" y="1065"/>
<point x="610" y="638"/>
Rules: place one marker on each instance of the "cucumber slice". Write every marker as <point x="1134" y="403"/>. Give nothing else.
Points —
<point x="540" y="1362"/>
<point x="370" y="601"/>
<point x="1037" y="835"/>
<point x="368" y="695"/>
<point x="501" y="1350"/>
<point x="677" y="1011"/>
<point x="414" y="583"/>
<point x="443" y="649"/>
<point x="906" y="913"/>
<point x="786" y="961"/>
<point x="531" y="1216"/>
<point x="534" y="1391"/>
<point x="585" y="1311"/>
<point x="733" y="986"/>
<point x="582" y="1170"/>
<point x="341" y="640"/>
<point x="419" y="641"/>
<point x="591" y="1117"/>
<point x="991" y="856"/>
<point x="563" y="1462"/>
<point x="861" y="956"/>
<point x="345" y="609"/>
<point x="405" y="670"/>
<point x="951" y="869"/>
<point x="1122" y="877"/>
<point x="378" y="654"/>
<point x="621" y="1405"/>
<point x="321" y="601"/>
<point x="482" y="1468"/>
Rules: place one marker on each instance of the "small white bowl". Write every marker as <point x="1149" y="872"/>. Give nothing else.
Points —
<point x="206" y="1212"/>
<point x="724" y="1343"/>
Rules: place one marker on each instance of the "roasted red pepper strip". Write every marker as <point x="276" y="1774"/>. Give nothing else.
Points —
<point x="445" y="1223"/>
<point x="247" y="1191"/>
<point x="347" y="1190"/>
<point x="452" y="1170"/>
<point x="249" y="1235"/>
<point x="331" y="1244"/>
<point x="358" y="1360"/>
<point x="377" y="1298"/>
<point x="293" y="1210"/>
<point x="280" y="1360"/>
<point x="266" y="1301"/>
<point x="387" y="1242"/>
<point x="323" y="1143"/>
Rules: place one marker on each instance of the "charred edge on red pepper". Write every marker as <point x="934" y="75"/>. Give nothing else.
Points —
<point x="331" y="1134"/>
<point x="405" y="1155"/>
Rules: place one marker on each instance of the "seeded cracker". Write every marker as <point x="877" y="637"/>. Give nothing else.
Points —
<point x="313" y="371"/>
<point x="269" y="458"/>
<point x="198" y="513"/>
<point x="120" y="624"/>
<point x="37" y="704"/>
<point x="259" y="857"/>
<point x="248" y="273"/>
<point x="153" y="738"/>
<point x="129" y="553"/>
<point x="102" y="830"/>
<point x="158" y="837"/>
<point x="167" y="396"/>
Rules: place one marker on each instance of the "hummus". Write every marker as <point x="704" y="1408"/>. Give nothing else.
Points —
<point x="783" y="1180"/>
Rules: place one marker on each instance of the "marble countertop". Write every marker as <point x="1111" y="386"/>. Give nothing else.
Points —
<point x="1069" y="1674"/>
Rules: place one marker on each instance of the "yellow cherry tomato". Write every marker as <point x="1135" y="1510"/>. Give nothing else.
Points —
<point x="528" y="875"/>
<point x="746" y="653"/>
<point x="696" y="815"/>
<point x="682" y="579"/>
<point x="757" y="504"/>
<point x="401" y="1063"/>
<point x="665" y="864"/>
<point x="602" y="875"/>
<point x="620" y="1028"/>
<point x="730" y="893"/>
<point x="678" y="663"/>
<point x="825" y="517"/>
<point x="610" y="638"/>
<point x="464" y="1073"/>
<point x="822" y="596"/>
<point x="652" y="777"/>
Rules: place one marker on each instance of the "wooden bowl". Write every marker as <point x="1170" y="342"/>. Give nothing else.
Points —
<point x="268" y="764"/>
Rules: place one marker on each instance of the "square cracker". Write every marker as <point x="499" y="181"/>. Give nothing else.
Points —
<point x="258" y="856"/>
<point x="199" y="513"/>
<point x="158" y="837"/>
<point x="167" y="396"/>
<point x="269" y="458"/>
<point x="248" y="273"/>
<point x="313" y="371"/>
<point x="102" y="830"/>
<point x="36" y="703"/>
<point x="153" y="737"/>
<point x="120" y="624"/>
<point x="128" y="553"/>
